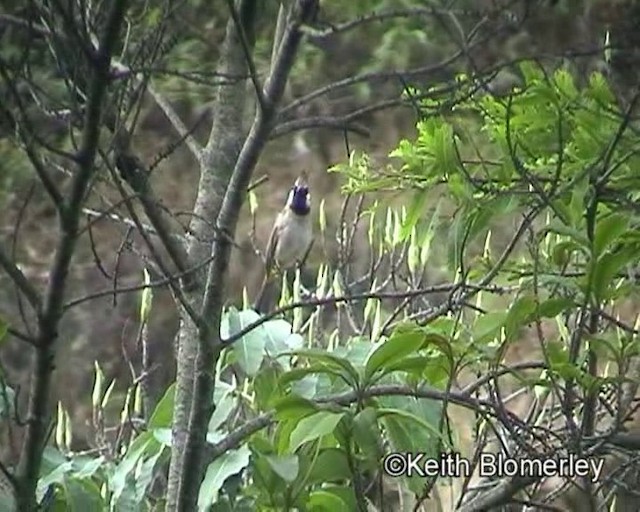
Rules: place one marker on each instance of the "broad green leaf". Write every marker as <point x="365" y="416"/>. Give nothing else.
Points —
<point x="552" y="307"/>
<point x="415" y="211"/>
<point x="519" y="314"/>
<point x="572" y="233"/>
<point x="313" y="427"/>
<point x="306" y="381"/>
<point x="337" y="365"/>
<point x="599" y="89"/>
<point x="367" y="433"/>
<point x="326" y="501"/>
<point x="85" y="467"/>
<point x="409" y="431"/>
<point x="81" y="495"/>
<point x="565" y="83"/>
<point x="224" y="405"/>
<point x="163" y="413"/>
<point x="413" y="365"/>
<point x="250" y="349"/>
<point x="294" y="407"/>
<point x="286" y="466"/>
<point x="226" y="465"/>
<point x="144" y="444"/>
<point x="607" y="266"/>
<point x="331" y="465"/>
<point x="487" y="327"/>
<point x="267" y="386"/>
<point x="145" y="474"/>
<point x="608" y="231"/>
<point x="557" y="353"/>
<point x="56" y="476"/>
<point x="344" y="494"/>
<point x="398" y="346"/>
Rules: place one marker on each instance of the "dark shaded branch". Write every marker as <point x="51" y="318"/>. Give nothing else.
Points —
<point x="137" y="176"/>
<point x="209" y="343"/>
<point x="69" y="218"/>
<point x="20" y="280"/>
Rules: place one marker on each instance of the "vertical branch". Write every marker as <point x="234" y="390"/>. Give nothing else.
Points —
<point x="209" y="343"/>
<point x="52" y="308"/>
<point x="216" y="165"/>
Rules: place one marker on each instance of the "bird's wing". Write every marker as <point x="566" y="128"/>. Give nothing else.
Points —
<point x="271" y="246"/>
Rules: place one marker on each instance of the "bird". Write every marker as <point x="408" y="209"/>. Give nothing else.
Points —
<point x="290" y="240"/>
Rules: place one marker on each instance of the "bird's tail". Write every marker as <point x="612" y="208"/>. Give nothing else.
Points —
<point x="266" y="296"/>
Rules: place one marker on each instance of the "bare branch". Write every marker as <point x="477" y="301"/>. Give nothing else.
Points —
<point x="176" y="122"/>
<point x="336" y="123"/>
<point x="36" y="431"/>
<point x="253" y="73"/>
<point x="209" y="345"/>
<point x="136" y="175"/>
<point x="20" y="280"/>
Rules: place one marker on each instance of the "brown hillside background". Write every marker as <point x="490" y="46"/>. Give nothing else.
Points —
<point x="104" y="331"/>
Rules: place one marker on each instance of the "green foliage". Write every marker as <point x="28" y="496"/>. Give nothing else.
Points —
<point x="562" y="158"/>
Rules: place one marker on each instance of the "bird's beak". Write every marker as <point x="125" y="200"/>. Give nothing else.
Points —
<point x="302" y="180"/>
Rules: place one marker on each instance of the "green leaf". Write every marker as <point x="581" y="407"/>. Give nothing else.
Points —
<point x="608" y="231"/>
<point x="331" y="363"/>
<point x="557" y="353"/>
<point x="520" y="313"/>
<point x="224" y="405"/>
<point x="313" y="427"/>
<point x="607" y="266"/>
<point x="279" y="339"/>
<point x="146" y="297"/>
<point x="145" y="473"/>
<point x="412" y="426"/>
<point x="250" y="349"/>
<point x="562" y="251"/>
<point x="82" y="495"/>
<point x="552" y="307"/>
<point x="414" y="213"/>
<point x="367" y="433"/>
<point x="327" y="501"/>
<point x="572" y="233"/>
<point x="226" y="465"/>
<point x="285" y="466"/>
<point x="397" y="347"/>
<point x="443" y="146"/>
<point x="565" y="84"/>
<point x="487" y="327"/>
<point x="86" y="467"/>
<point x="294" y="407"/>
<point x="163" y="413"/>
<point x="531" y="72"/>
<point x="599" y="89"/>
<point x="267" y="386"/>
<point x="332" y="465"/>
<point x="144" y="444"/>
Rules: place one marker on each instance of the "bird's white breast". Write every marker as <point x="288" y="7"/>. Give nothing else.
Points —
<point x="294" y="237"/>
